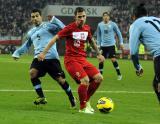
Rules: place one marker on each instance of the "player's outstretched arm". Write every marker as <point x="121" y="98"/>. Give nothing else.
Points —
<point x="42" y="55"/>
<point x="23" y="49"/>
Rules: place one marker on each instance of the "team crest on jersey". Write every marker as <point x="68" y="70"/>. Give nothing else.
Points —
<point x="45" y="25"/>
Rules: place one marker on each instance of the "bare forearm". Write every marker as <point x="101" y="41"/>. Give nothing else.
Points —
<point x="95" y="47"/>
<point x="53" y="40"/>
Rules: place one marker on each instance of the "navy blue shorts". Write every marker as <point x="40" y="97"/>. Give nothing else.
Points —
<point x="109" y="52"/>
<point x="50" y="66"/>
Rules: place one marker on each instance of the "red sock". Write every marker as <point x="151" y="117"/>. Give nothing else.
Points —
<point x="82" y="92"/>
<point x="91" y="89"/>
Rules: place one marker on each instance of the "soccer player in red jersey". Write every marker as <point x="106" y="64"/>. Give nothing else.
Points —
<point x="83" y="72"/>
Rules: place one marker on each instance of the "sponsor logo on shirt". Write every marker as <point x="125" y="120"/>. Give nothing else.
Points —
<point x="78" y="36"/>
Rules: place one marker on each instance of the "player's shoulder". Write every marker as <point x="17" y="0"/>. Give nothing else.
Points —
<point x="141" y="20"/>
<point x="71" y="26"/>
<point x="101" y="24"/>
<point x="31" y="31"/>
<point x="112" y="23"/>
<point x="48" y="24"/>
<point x="139" y="23"/>
<point x="87" y="26"/>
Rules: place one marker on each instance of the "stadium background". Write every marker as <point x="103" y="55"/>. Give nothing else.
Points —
<point x="15" y="18"/>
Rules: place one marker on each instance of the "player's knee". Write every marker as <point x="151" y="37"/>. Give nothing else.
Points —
<point x="61" y="80"/>
<point x="85" y="80"/>
<point x="33" y="73"/>
<point x="113" y="59"/>
<point x="98" y="78"/>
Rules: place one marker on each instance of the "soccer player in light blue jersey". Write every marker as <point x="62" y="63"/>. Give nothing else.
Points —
<point x="106" y="31"/>
<point x="146" y="30"/>
<point x="39" y="36"/>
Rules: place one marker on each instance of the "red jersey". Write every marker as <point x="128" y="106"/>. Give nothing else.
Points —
<point x="75" y="39"/>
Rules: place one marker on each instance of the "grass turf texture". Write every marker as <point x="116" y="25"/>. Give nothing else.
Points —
<point x="135" y="102"/>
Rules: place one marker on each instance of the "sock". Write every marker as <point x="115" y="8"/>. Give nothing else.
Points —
<point x="115" y="64"/>
<point x="68" y="91"/>
<point x="37" y="86"/>
<point x="91" y="89"/>
<point x="101" y="65"/>
<point x="82" y="92"/>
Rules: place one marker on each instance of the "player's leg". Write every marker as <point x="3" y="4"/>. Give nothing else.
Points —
<point x="94" y="84"/>
<point x="54" y="69"/>
<point x="156" y="81"/>
<point x="155" y="87"/>
<point x="35" y="72"/>
<point x="77" y="72"/>
<point x="101" y="64"/>
<point x="95" y="81"/>
<point x="112" y="55"/>
<point x="66" y="87"/>
<point x="116" y="66"/>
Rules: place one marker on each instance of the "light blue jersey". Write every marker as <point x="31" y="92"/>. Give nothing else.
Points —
<point x="40" y="36"/>
<point x="106" y="34"/>
<point x="145" y="30"/>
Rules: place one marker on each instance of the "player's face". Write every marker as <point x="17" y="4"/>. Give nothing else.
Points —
<point x="80" y="18"/>
<point x="106" y="18"/>
<point x="36" y="18"/>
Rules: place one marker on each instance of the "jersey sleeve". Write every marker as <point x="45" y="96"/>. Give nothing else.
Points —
<point x="57" y="22"/>
<point x="64" y="32"/>
<point x="134" y="35"/>
<point x="89" y="35"/>
<point x="118" y="33"/>
<point x="98" y="35"/>
<point x="23" y="49"/>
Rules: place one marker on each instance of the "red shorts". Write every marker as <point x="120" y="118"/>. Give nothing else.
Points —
<point x="79" y="67"/>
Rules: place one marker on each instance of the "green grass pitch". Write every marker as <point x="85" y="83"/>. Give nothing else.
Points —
<point x="135" y="102"/>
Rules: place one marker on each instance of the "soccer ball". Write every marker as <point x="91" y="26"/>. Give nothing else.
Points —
<point x="105" y="105"/>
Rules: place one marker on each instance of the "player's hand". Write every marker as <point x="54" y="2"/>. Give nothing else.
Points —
<point x="100" y="58"/>
<point x="41" y="57"/>
<point x="139" y="72"/>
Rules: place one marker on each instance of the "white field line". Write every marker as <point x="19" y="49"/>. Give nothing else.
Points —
<point x="18" y="61"/>
<point x="59" y="91"/>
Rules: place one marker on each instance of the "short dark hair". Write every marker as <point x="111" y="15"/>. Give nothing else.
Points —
<point x="140" y="10"/>
<point x="107" y="13"/>
<point x="36" y="10"/>
<point x="79" y="9"/>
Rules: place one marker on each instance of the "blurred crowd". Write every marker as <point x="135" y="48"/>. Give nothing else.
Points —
<point x="15" y="14"/>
